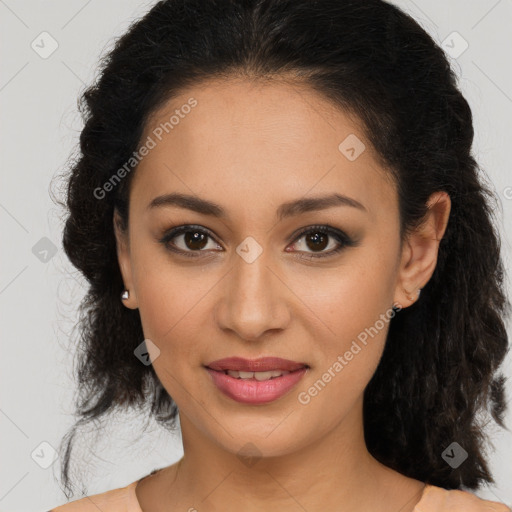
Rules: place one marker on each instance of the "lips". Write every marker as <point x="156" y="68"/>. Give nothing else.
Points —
<point x="263" y="364"/>
<point x="256" y="385"/>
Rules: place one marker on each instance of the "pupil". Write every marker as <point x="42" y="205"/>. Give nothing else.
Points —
<point x="319" y="241"/>
<point x="196" y="238"/>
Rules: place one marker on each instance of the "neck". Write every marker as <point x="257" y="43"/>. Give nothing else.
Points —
<point x="335" y="469"/>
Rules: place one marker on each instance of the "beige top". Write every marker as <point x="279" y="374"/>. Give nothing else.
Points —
<point x="433" y="499"/>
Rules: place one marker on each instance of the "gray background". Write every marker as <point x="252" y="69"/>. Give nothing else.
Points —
<point x="40" y="291"/>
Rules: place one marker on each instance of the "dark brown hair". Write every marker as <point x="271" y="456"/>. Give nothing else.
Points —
<point x="439" y="367"/>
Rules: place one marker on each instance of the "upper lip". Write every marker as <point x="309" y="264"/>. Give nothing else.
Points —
<point x="262" y="364"/>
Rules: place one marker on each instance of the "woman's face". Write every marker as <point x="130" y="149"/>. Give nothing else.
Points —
<point x="244" y="282"/>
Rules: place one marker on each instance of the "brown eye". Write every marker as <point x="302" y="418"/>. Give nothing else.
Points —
<point x="188" y="240"/>
<point x="317" y="241"/>
<point x="318" y="238"/>
<point x="195" y="239"/>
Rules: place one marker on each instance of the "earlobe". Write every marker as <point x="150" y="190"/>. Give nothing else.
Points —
<point x="420" y="252"/>
<point x="127" y="294"/>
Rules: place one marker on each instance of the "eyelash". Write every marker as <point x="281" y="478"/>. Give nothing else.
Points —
<point x="340" y="237"/>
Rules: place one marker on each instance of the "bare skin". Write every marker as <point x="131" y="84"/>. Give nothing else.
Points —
<point x="250" y="147"/>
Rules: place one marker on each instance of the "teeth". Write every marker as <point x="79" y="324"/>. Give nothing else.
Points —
<point x="256" y="375"/>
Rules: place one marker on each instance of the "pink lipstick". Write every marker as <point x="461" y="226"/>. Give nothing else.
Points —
<point x="256" y="381"/>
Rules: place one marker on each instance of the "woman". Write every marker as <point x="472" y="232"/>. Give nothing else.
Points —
<point x="319" y="155"/>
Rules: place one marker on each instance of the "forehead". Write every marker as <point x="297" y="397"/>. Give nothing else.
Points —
<point x="240" y="140"/>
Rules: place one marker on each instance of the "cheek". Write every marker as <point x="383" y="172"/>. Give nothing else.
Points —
<point x="348" y="299"/>
<point x="171" y="311"/>
<point x="352" y="305"/>
<point x="346" y="355"/>
<point x="172" y="302"/>
<point x="167" y="293"/>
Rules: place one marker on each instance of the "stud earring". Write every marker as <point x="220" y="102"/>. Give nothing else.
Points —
<point x="125" y="295"/>
<point x="412" y="298"/>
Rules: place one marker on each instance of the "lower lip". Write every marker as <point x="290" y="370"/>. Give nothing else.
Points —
<point x="252" y="391"/>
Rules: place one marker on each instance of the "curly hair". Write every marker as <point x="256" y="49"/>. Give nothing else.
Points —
<point x="439" y="368"/>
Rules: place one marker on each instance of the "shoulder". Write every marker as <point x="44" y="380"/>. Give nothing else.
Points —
<point x="437" y="499"/>
<point x="117" y="500"/>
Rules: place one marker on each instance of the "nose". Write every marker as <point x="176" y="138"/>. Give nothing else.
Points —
<point x="254" y="300"/>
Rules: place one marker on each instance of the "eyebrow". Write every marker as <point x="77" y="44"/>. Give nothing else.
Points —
<point x="288" y="209"/>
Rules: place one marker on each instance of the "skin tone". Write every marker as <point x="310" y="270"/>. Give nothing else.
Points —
<point x="249" y="147"/>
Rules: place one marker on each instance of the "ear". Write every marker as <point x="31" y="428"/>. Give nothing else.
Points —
<point x="123" y="258"/>
<point x="420" y="250"/>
